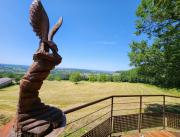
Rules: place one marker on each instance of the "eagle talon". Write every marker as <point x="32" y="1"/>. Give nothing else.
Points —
<point x="51" y="45"/>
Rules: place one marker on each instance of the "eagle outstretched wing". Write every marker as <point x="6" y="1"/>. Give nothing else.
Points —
<point x="39" y="20"/>
<point x="55" y="29"/>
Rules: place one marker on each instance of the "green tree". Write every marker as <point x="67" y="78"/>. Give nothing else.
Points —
<point x="57" y="77"/>
<point x="92" y="77"/>
<point x="149" y="60"/>
<point x="116" y="78"/>
<point x="124" y="76"/>
<point x="109" y="78"/>
<point x="18" y="77"/>
<point x="158" y="62"/>
<point x="50" y="77"/>
<point x="75" y="77"/>
<point x="102" y="78"/>
<point x="158" y="18"/>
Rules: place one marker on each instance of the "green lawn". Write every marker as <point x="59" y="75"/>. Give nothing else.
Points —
<point x="65" y="94"/>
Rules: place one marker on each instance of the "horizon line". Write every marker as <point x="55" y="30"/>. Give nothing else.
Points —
<point x="71" y="68"/>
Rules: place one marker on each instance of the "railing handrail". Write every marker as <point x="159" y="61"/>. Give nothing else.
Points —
<point x="172" y="96"/>
<point x="140" y="115"/>
<point x="160" y="95"/>
<point x="86" y="105"/>
<point x="106" y="98"/>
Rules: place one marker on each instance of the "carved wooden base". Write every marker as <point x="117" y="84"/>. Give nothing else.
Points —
<point x="41" y="122"/>
<point x="9" y="130"/>
<point x="34" y="118"/>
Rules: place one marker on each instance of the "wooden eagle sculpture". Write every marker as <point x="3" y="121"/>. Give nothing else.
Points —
<point x="34" y="118"/>
<point x="40" y="23"/>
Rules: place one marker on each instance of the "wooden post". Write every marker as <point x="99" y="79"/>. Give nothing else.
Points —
<point x="164" y="113"/>
<point x="140" y="114"/>
<point x="112" y="102"/>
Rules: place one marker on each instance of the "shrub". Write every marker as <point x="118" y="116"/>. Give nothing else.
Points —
<point x="102" y="78"/>
<point x="75" y="77"/>
<point x="50" y="77"/>
<point x="84" y="77"/>
<point x="109" y="78"/>
<point x="57" y="77"/>
<point x="92" y="77"/>
<point x="116" y="78"/>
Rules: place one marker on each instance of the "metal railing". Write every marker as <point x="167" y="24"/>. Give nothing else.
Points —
<point x="122" y="113"/>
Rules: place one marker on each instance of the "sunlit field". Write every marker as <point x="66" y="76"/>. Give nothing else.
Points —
<point x="65" y="94"/>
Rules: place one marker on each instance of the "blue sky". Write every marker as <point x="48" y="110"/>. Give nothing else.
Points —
<point x="95" y="33"/>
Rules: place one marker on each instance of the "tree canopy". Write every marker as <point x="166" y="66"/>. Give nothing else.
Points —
<point x="159" y="62"/>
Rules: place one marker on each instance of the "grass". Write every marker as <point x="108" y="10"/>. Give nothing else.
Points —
<point x="4" y="119"/>
<point x="65" y="95"/>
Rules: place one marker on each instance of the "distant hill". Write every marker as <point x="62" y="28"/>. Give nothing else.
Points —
<point x="13" y="68"/>
<point x="20" y="69"/>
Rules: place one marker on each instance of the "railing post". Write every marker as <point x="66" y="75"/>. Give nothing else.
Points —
<point x="140" y="114"/>
<point x="112" y="102"/>
<point x="164" y="113"/>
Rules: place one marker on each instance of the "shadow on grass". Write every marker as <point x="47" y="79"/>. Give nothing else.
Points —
<point x="4" y="88"/>
<point x="158" y="108"/>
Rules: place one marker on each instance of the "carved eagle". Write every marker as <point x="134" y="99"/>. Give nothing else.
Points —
<point x="40" y="22"/>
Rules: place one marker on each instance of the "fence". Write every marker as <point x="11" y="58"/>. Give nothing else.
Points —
<point x="115" y="115"/>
